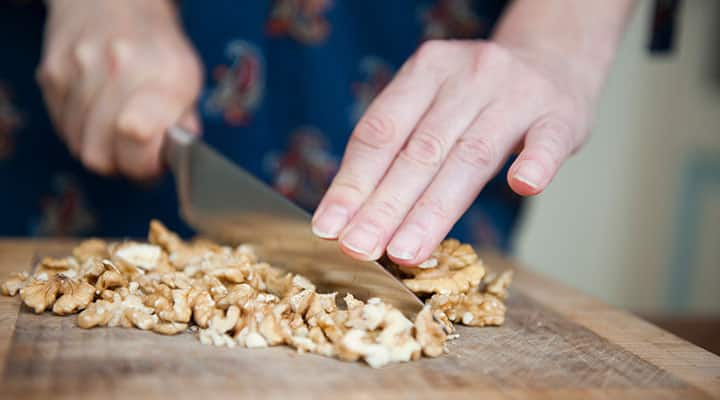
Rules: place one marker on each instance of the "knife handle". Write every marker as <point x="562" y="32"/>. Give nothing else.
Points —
<point x="176" y="145"/>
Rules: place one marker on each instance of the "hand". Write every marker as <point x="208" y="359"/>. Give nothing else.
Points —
<point x="115" y="75"/>
<point x="438" y="132"/>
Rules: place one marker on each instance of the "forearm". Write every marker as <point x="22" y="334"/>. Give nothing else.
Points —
<point x="581" y="35"/>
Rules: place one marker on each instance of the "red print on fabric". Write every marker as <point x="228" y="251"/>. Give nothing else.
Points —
<point x="10" y="123"/>
<point x="376" y="74"/>
<point x="65" y="212"/>
<point x="302" y="20"/>
<point x="451" y="19"/>
<point x="239" y="85"/>
<point x="304" y="171"/>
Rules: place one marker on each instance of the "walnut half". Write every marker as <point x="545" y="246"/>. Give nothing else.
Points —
<point x="74" y="295"/>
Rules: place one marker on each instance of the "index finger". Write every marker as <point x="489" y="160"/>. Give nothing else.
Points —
<point x="372" y="147"/>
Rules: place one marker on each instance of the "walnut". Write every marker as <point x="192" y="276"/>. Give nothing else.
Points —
<point x="58" y="263"/>
<point x="159" y="235"/>
<point x="249" y="336"/>
<point x="173" y="280"/>
<point x="452" y="268"/>
<point x="14" y="283"/>
<point x="299" y="302"/>
<point x="96" y="314"/>
<point x="176" y="310"/>
<point x="169" y="328"/>
<point x="230" y="298"/>
<point x="219" y="326"/>
<point x="231" y="275"/>
<point x="321" y="303"/>
<point x="110" y="279"/>
<point x="113" y="311"/>
<point x="133" y="255"/>
<point x="380" y="336"/>
<point x="429" y="333"/>
<point x="203" y="306"/>
<point x="40" y="295"/>
<point x="92" y="248"/>
<point x="76" y="296"/>
<point x="271" y="330"/>
<point x="472" y="309"/>
<point x="454" y="254"/>
<point x="449" y="255"/>
<point x="141" y="319"/>
<point x="457" y="281"/>
<point x="238" y="295"/>
<point x="498" y="285"/>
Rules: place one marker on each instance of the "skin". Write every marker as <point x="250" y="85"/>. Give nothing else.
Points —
<point x="453" y="115"/>
<point x="116" y="75"/>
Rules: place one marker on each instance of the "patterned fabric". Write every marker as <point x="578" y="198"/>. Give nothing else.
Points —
<point x="286" y="81"/>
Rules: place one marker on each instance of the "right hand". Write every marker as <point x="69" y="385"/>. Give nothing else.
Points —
<point x="115" y="75"/>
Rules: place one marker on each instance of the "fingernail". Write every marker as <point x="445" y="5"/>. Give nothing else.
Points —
<point x="362" y="239"/>
<point x="407" y="243"/>
<point x="530" y="172"/>
<point x="330" y="222"/>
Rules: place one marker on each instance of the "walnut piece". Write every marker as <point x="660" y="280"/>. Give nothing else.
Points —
<point x="41" y="294"/>
<point x="15" y="282"/>
<point x="498" y="285"/>
<point x="92" y="248"/>
<point x="430" y="334"/>
<point x="456" y="281"/>
<point x="472" y="309"/>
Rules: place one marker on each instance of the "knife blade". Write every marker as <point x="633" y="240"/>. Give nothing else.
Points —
<point x="226" y="203"/>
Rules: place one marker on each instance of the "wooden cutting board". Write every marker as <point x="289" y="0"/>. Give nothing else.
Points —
<point x="555" y="344"/>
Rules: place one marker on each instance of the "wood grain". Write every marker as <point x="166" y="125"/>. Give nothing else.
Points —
<point x="548" y="348"/>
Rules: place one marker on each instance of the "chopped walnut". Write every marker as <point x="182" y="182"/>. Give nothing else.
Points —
<point x="92" y="248"/>
<point x="41" y="294"/>
<point x="498" y="285"/>
<point x="472" y="309"/>
<point x="228" y="297"/>
<point x="457" y="281"/>
<point x="12" y="286"/>
<point x="76" y="296"/>
<point x="169" y="328"/>
<point x="133" y="255"/>
<point x="429" y="333"/>
<point x="59" y="263"/>
<point x="452" y="268"/>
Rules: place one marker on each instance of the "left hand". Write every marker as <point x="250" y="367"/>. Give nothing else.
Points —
<point x="439" y="131"/>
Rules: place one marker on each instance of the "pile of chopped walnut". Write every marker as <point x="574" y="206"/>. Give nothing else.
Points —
<point x="230" y="298"/>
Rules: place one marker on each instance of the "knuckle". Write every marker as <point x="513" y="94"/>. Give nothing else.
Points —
<point x="489" y="56"/>
<point x="96" y="161"/>
<point x="129" y="127"/>
<point x="85" y="56"/>
<point x="555" y="137"/>
<point x="375" y="131"/>
<point x="425" y="148"/>
<point x="347" y="189"/>
<point x="51" y="71"/>
<point x="478" y="152"/>
<point x="430" y="60"/>
<point x="121" y="52"/>
<point x="386" y="210"/>
<point x="431" y="50"/>
<point x="435" y="208"/>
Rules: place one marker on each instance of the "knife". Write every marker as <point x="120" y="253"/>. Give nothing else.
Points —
<point x="226" y="203"/>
